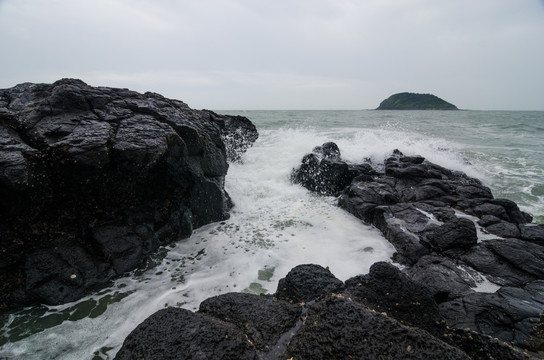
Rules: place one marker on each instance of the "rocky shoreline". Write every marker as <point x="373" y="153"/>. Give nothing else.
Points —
<point x="313" y="315"/>
<point x="452" y="239"/>
<point x="93" y="180"/>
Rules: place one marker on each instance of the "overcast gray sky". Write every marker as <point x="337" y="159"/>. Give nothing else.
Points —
<point x="284" y="54"/>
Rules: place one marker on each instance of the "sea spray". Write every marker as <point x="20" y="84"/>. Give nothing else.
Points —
<point x="276" y="225"/>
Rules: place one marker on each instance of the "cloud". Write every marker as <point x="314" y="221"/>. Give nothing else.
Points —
<point x="282" y="48"/>
<point x="235" y="90"/>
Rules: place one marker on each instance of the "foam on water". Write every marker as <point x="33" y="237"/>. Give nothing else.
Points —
<point x="276" y="225"/>
<point x="378" y="144"/>
<point x="481" y="233"/>
<point x="482" y="283"/>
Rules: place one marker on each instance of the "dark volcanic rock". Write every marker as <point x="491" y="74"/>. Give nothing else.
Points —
<point x="382" y="315"/>
<point x="387" y="289"/>
<point x="175" y="333"/>
<point x="307" y="282"/>
<point x="510" y="262"/>
<point x="458" y="233"/>
<point x="510" y="314"/>
<point x="263" y="319"/>
<point x="401" y="224"/>
<point x="338" y="328"/>
<point x="445" y="279"/>
<point x="238" y="134"/>
<point x="324" y="172"/>
<point x="533" y="233"/>
<point x="504" y="229"/>
<point x="109" y="172"/>
<point x="63" y="273"/>
<point x="411" y="302"/>
<point x="436" y="219"/>
<point x="414" y="206"/>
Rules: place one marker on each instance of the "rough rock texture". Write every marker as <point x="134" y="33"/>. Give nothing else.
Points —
<point x="383" y="315"/>
<point x="94" y="179"/>
<point x="324" y="172"/>
<point x="453" y="237"/>
<point x="338" y="328"/>
<point x="386" y="289"/>
<point x="174" y="333"/>
<point x="307" y="282"/>
<point x="238" y="134"/>
<point x="510" y="314"/>
<point x="510" y="262"/>
<point x="264" y="320"/>
<point x="444" y="277"/>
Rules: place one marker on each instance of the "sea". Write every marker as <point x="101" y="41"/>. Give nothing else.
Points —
<point x="276" y="225"/>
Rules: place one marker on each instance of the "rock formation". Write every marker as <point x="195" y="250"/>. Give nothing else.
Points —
<point x="453" y="235"/>
<point x="94" y="179"/>
<point x="313" y="315"/>
<point x="452" y="238"/>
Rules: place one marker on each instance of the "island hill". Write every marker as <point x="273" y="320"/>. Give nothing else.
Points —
<point x="413" y="101"/>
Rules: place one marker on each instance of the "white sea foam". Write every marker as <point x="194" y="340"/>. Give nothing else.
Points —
<point x="276" y="225"/>
<point x="431" y="217"/>
<point x="481" y="233"/>
<point x="483" y="284"/>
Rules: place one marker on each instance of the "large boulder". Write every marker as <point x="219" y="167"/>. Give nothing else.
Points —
<point x="94" y="179"/>
<point x="324" y="172"/>
<point x="386" y="289"/>
<point x="456" y="234"/>
<point x="306" y="283"/>
<point x="445" y="278"/>
<point x="263" y="319"/>
<point x="174" y="333"/>
<point x="382" y="315"/>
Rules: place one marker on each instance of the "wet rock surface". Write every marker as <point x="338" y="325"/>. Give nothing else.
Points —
<point x="471" y="284"/>
<point x="307" y="282"/>
<point x="93" y="180"/>
<point x="453" y="237"/>
<point x="264" y="319"/>
<point x="382" y="315"/>
<point x="324" y="172"/>
<point x="238" y="133"/>
<point x="341" y="328"/>
<point x="175" y="333"/>
<point x="386" y="289"/>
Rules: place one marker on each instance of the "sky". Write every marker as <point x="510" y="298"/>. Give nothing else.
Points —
<point x="284" y="54"/>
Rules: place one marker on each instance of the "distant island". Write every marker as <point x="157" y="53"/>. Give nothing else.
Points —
<point x="413" y="101"/>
